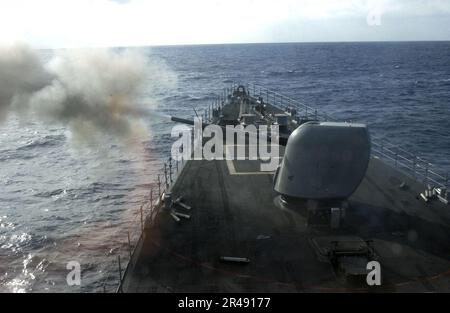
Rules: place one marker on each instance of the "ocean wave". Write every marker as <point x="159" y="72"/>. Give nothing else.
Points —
<point x="8" y="154"/>
<point x="47" y="141"/>
<point x="282" y="73"/>
<point x="104" y="190"/>
<point x="17" y="242"/>
<point x="198" y="77"/>
<point x="51" y="193"/>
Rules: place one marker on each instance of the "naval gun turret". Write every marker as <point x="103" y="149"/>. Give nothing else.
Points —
<point x="324" y="163"/>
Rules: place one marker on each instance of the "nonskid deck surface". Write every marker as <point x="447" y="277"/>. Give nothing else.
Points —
<point x="239" y="215"/>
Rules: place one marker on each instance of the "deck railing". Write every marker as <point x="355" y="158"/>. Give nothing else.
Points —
<point x="144" y="217"/>
<point x="415" y="166"/>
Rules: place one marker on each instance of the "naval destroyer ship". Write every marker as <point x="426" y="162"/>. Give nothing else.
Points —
<point x="343" y="212"/>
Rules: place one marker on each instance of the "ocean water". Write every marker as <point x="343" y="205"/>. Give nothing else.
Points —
<point x="61" y="202"/>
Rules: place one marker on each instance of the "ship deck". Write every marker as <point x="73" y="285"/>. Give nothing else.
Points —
<point x="236" y="213"/>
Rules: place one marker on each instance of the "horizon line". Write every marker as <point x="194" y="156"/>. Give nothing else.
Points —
<point x="249" y="43"/>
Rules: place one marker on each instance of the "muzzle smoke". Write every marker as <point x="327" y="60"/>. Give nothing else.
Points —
<point x="93" y="91"/>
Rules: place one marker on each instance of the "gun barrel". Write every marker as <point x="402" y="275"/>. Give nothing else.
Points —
<point x="182" y="120"/>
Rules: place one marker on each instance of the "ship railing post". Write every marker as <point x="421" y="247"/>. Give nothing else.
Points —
<point x="151" y="197"/>
<point x="170" y="170"/>
<point x="142" y="219"/>
<point x="306" y="112"/>
<point x="120" y="273"/>
<point x="129" y="244"/>
<point x="159" y="185"/>
<point x="426" y="173"/>
<point x="165" y="176"/>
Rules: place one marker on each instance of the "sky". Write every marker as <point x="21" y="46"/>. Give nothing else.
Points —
<point x="108" y="23"/>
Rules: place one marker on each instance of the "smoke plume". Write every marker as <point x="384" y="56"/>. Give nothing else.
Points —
<point x="91" y="91"/>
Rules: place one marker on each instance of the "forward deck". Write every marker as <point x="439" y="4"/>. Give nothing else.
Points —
<point x="237" y="214"/>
